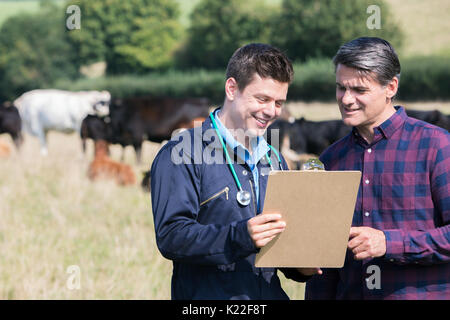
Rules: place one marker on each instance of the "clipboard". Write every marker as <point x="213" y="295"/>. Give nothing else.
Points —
<point x="318" y="209"/>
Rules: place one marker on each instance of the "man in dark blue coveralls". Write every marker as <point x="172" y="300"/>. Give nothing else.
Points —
<point x="201" y="222"/>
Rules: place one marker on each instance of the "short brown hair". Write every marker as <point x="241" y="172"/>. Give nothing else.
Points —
<point x="263" y="59"/>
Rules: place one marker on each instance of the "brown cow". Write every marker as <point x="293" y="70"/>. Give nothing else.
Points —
<point x="102" y="167"/>
<point x="5" y="150"/>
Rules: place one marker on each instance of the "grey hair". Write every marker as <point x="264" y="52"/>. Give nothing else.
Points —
<point x="370" y="55"/>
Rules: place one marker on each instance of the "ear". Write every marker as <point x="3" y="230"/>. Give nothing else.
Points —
<point x="392" y="88"/>
<point x="231" y="88"/>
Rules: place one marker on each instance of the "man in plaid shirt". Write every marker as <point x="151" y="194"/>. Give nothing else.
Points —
<point x="399" y="244"/>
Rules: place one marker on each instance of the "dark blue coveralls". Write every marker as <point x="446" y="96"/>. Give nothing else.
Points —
<point x="201" y="227"/>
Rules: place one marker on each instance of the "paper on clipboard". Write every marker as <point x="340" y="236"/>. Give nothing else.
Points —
<point x="318" y="209"/>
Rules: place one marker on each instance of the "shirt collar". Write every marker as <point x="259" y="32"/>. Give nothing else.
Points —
<point x="388" y="127"/>
<point x="396" y="121"/>
<point x="260" y="146"/>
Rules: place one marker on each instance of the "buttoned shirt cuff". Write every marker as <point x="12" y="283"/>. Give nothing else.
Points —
<point x="395" y="248"/>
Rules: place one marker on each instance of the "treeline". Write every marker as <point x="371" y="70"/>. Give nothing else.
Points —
<point x="422" y="78"/>
<point x="148" y="51"/>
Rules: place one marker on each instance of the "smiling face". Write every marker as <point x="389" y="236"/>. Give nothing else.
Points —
<point x="363" y="102"/>
<point x="254" y="108"/>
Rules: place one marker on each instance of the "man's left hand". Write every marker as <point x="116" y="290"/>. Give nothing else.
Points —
<point x="367" y="242"/>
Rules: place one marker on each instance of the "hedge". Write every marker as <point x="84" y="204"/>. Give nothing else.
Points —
<point x="422" y="78"/>
<point x="425" y="78"/>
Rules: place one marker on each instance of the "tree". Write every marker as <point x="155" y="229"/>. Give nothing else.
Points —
<point x="34" y="52"/>
<point x="132" y="36"/>
<point x="218" y="28"/>
<point x="309" y="28"/>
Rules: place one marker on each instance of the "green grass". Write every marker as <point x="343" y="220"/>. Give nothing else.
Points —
<point x="10" y="8"/>
<point x="426" y="25"/>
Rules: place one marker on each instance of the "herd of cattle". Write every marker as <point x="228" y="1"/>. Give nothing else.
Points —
<point x="300" y="139"/>
<point x="131" y="121"/>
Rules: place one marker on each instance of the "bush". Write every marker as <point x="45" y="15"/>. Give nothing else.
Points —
<point x="131" y="36"/>
<point x="218" y="28"/>
<point x="198" y="83"/>
<point x="425" y="78"/>
<point x="313" y="80"/>
<point x="310" y="29"/>
<point x="34" y="52"/>
<point x="422" y="78"/>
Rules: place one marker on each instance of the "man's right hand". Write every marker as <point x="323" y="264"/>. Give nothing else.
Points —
<point x="264" y="227"/>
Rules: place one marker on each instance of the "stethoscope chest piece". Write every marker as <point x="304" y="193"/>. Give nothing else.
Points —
<point x="243" y="197"/>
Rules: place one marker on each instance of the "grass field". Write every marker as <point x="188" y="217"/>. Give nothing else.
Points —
<point x="9" y="8"/>
<point x="52" y="217"/>
<point x="426" y="25"/>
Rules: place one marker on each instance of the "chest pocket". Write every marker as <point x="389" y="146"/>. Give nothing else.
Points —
<point x="221" y="193"/>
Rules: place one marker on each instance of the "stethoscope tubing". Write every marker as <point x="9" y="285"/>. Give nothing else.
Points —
<point x="228" y="159"/>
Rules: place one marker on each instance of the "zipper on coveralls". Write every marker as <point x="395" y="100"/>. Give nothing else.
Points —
<point x="225" y="190"/>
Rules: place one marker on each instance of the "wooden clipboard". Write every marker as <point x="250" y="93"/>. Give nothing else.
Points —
<point x="318" y="209"/>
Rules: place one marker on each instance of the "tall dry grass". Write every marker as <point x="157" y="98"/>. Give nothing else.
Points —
<point x="52" y="217"/>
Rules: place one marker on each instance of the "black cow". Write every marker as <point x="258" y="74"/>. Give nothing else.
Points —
<point x="311" y="137"/>
<point x="96" y="128"/>
<point x="434" y="117"/>
<point x="146" y="118"/>
<point x="11" y="123"/>
<point x="133" y="120"/>
<point x="145" y="183"/>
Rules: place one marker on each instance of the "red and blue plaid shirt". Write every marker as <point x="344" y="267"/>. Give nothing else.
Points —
<point x="405" y="192"/>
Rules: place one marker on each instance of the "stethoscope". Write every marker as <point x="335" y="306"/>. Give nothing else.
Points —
<point x="243" y="197"/>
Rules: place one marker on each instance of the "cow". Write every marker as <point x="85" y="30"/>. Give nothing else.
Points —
<point x="11" y="123"/>
<point x="310" y="137"/>
<point x="96" y="128"/>
<point x="133" y="120"/>
<point x="102" y="167"/>
<point x="50" y="109"/>
<point x="5" y="150"/>
<point x="145" y="183"/>
<point x="433" y="116"/>
<point x="303" y="139"/>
